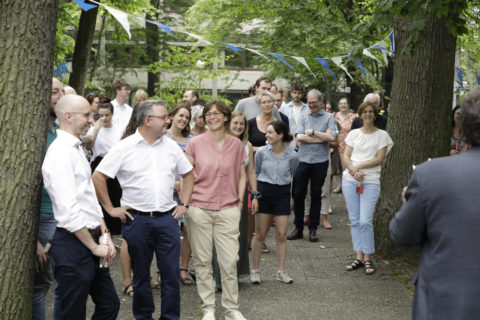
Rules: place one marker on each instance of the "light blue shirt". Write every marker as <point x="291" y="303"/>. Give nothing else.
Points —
<point x="315" y="152"/>
<point x="288" y="111"/>
<point x="273" y="170"/>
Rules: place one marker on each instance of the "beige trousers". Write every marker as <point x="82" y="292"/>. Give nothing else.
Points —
<point x="219" y="227"/>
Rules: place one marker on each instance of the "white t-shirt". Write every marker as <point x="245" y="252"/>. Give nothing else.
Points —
<point x="106" y="138"/>
<point x="364" y="148"/>
<point x="121" y="114"/>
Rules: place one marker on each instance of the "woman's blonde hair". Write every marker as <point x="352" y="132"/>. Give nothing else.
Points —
<point x="244" y="135"/>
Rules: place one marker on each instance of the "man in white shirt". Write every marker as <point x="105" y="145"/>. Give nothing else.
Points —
<point x="145" y="164"/>
<point x="293" y="109"/>
<point x="66" y="175"/>
<point x="121" y="110"/>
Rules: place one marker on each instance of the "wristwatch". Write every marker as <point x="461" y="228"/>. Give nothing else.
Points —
<point x="255" y="195"/>
<point x="185" y="205"/>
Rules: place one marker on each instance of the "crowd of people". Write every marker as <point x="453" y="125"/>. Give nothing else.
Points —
<point x="199" y="181"/>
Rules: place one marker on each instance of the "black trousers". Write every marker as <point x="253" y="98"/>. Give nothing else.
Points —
<point x="315" y="173"/>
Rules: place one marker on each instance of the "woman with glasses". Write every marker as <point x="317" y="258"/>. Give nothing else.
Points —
<point x="214" y="214"/>
<point x="180" y="132"/>
<point x="365" y="149"/>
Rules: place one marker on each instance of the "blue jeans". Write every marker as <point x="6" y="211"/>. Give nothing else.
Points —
<point x="43" y="279"/>
<point x="360" y="211"/>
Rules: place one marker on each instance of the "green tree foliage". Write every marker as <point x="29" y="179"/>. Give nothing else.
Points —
<point x="182" y="68"/>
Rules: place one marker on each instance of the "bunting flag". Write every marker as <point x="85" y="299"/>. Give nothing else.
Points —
<point x="324" y="63"/>
<point x="63" y="68"/>
<point x="392" y="42"/>
<point x="235" y="49"/>
<point x="279" y="57"/>
<point x="59" y="73"/>
<point x="359" y="64"/>
<point x="338" y="62"/>
<point x="85" y="6"/>
<point x="460" y="76"/>
<point x="304" y="62"/>
<point x="121" y="17"/>
<point x="257" y="52"/>
<point x="369" y="54"/>
<point x="163" y="27"/>
<point x="383" y="49"/>
<point x="199" y="38"/>
<point x="478" y="79"/>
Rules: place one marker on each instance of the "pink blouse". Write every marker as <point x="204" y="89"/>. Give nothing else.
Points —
<point x="345" y="125"/>
<point x="217" y="172"/>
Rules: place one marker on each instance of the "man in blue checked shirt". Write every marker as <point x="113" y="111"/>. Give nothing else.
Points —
<point x="315" y="129"/>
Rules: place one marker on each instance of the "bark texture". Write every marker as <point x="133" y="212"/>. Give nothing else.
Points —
<point x="419" y="116"/>
<point x="27" y="38"/>
<point x="83" y="47"/>
<point x="152" y="38"/>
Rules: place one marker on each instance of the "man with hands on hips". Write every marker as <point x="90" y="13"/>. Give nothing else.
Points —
<point x="145" y="165"/>
<point x="75" y="247"/>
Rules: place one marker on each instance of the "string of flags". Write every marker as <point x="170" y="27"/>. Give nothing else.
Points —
<point x="122" y="18"/>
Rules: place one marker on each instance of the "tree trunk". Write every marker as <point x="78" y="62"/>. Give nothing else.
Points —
<point x="151" y="32"/>
<point x="419" y="116"/>
<point x="83" y="47"/>
<point x="27" y="39"/>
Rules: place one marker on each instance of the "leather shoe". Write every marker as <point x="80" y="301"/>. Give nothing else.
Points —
<point x="295" y="234"/>
<point x="312" y="236"/>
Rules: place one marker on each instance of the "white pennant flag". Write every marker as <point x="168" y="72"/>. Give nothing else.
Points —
<point x="338" y="62"/>
<point x="369" y="54"/>
<point x="384" y="52"/>
<point x="257" y="52"/>
<point x="122" y="18"/>
<point x="304" y="62"/>
<point x="199" y="38"/>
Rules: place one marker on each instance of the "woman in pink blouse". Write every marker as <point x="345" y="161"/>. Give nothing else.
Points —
<point x="214" y="213"/>
<point x="345" y="119"/>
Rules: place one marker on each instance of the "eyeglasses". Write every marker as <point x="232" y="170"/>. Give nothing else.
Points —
<point x="312" y="102"/>
<point x="267" y="102"/>
<point x="159" y="117"/>
<point x="367" y="111"/>
<point x="212" y="114"/>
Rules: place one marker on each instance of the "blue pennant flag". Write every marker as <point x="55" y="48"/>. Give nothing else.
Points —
<point x="376" y="46"/>
<point x="85" y="6"/>
<point x="392" y="43"/>
<point x="359" y="64"/>
<point x="324" y="63"/>
<point x="478" y="80"/>
<point x="63" y="67"/>
<point x="233" y="47"/>
<point x="460" y="76"/>
<point x="163" y="27"/>
<point x="59" y="73"/>
<point x="279" y="57"/>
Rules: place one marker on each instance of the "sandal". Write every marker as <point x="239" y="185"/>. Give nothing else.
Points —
<point x="265" y="249"/>
<point x="369" y="268"/>
<point x="186" y="281"/>
<point x="154" y="284"/>
<point x="128" y="290"/>
<point x="355" y="265"/>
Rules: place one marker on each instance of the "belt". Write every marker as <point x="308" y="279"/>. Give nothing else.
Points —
<point x="93" y="232"/>
<point x="151" y="213"/>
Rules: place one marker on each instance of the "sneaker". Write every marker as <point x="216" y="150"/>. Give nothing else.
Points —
<point x="283" y="276"/>
<point x="234" y="315"/>
<point x="209" y="314"/>
<point x="255" y="277"/>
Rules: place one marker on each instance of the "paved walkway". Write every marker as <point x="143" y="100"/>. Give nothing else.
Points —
<point x="322" y="289"/>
